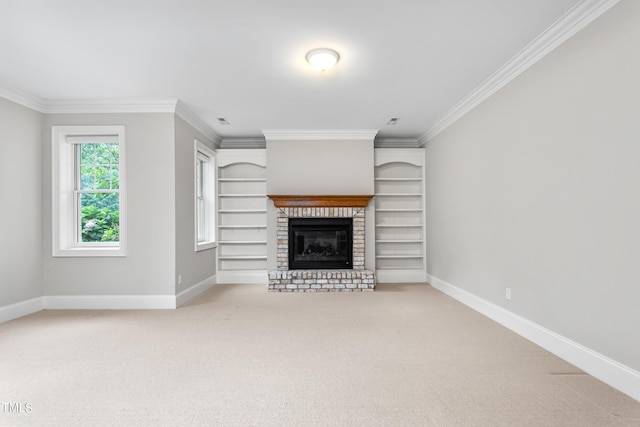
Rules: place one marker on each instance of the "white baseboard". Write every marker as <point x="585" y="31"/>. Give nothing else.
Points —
<point x="109" y="302"/>
<point x="103" y="302"/>
<point x="195" y="290"/>
<point x="400" y="276"/>
<point x="20" y="309"/>
<point x="251" y="277"/>
<point x="86" y="302"/>
<point x="609" y="371"/>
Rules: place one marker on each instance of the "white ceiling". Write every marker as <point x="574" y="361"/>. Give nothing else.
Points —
<point x="244" y="59"/>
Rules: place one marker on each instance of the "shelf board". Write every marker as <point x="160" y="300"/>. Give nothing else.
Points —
<point x="399" y="241"/>
<point x="400" y="225"/>
<point x="242" y="180"/>
<point x="398" y="179"/>
<point x="242" y="242"/>
<point x="243" y="257"/>
<point x="399" y="256"/>
<point x="399" y="194"/>
<point x="243" y="226"/>
<point x="241" y="195"/>
<point x="242" y="211"/>
<point x="398" y="210"/>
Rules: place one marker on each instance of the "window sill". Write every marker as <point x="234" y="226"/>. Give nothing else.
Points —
<point x="203" y="246"/>
<point x="86" y="252"/>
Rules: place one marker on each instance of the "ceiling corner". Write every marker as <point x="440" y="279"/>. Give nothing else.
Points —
<point x="21" y="97"/>
<point x="182" y="111"/>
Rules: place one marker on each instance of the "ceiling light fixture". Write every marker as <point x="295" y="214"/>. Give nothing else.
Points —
<point x="322" y="59"/>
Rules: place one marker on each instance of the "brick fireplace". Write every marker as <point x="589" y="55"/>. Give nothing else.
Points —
<point x="356" y="278"/>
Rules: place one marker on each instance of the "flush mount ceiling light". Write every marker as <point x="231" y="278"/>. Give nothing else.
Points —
<point x="322" y="59"/>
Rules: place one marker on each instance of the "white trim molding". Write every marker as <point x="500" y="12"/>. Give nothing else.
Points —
<point x="205" y="205"/>
<point x="66" y="241"/>
<point x="569" y="24"/>
<point x="400" y="276"/>
<point x="82" y="106"/>
<point x="108" y="302"/>
<point x="249" y="277"/>
<point x="21" y="97"/>
<point x="104" y="302"/>
<point x="412" y="156"/>
<point x="607" y="370"/>
<point x="384" y="142"/>
<point x="193" y="291"/>
<point x="198" y="124"/>
<point x="244" y="143"/>
<point x="320" y="135"/>
<point x="21" y="309"/>
<point x="103" y="106"/>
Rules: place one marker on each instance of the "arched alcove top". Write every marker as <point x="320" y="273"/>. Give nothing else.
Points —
<point x="412" y="156"/>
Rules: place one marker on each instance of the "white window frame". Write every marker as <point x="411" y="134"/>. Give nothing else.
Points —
<point x="204" y="222"/>
<point x="65" y="224"/>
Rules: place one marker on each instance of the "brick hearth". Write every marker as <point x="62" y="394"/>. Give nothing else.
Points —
<point x="321" y="281"/>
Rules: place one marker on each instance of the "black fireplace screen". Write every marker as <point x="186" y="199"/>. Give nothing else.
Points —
<point x="320" y="243"/>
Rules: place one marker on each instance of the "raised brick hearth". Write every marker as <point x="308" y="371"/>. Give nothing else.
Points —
<point x="339" y="280"/>
<point x="321" y="281"/>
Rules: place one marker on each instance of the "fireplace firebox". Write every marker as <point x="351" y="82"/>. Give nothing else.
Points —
<point x="320" y="243"/>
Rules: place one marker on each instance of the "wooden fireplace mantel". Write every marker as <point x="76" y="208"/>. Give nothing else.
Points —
<point x="320" y="201"/>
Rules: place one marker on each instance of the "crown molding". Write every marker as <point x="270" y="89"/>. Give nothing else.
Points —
<point x="569" y="24"/>
<point x="102" y="106"/>
<point x="245" y="143"/>
<point x="74" y="106"/>
<point x="197" y="123"/>
<point x="105" y="106"/>
<point x="315" y="135"/>
<point x="86" y="106"/>
<point x="21" y="97"/>
<point x="395" y="143"/>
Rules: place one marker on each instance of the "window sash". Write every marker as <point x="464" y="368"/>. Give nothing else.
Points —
<point x="202" y="225"/>
<point x="201" y="201"/>
<point x="204" y="197"/>
<point x="78" y="142"/>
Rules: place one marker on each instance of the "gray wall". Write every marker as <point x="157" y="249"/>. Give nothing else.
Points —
<point x="21" y="212"/>
<point x="312" y="167"/>
<point x="193" y="266"/>
<point x="538" y="189"/>
<point x="149" y="267"/>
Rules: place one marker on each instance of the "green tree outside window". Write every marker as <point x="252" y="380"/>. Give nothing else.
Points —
<point x="98" y="191"/>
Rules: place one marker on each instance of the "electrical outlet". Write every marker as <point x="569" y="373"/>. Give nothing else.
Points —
<point x="507" y="294"/>
<point x="179" y="279"/>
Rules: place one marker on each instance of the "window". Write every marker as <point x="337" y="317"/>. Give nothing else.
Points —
<point x="205" y="207"/>
<point x="89" y="215"/>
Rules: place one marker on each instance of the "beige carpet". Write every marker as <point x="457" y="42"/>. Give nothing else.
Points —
<point x="405" y="355"/>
